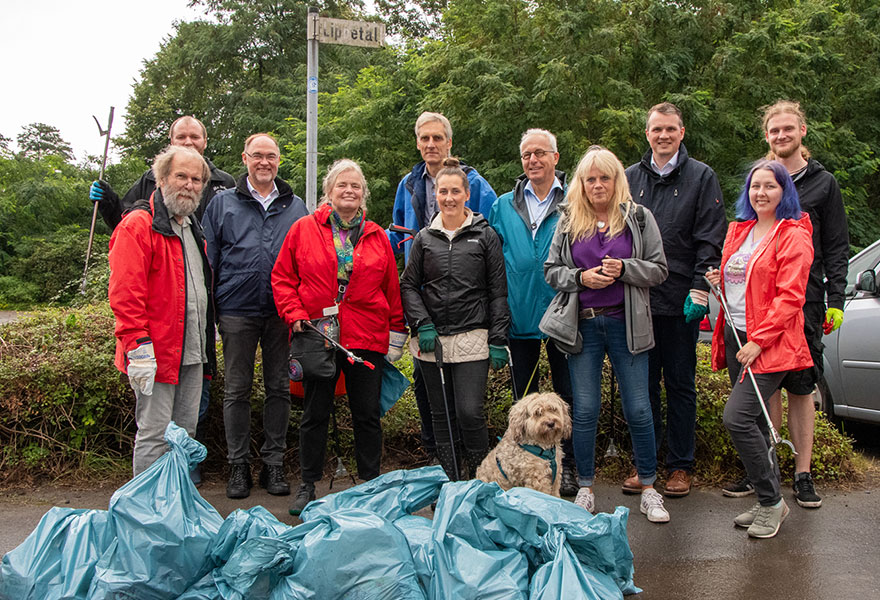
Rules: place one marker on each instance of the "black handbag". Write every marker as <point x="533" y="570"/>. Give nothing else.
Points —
<point x="311" y="356"/>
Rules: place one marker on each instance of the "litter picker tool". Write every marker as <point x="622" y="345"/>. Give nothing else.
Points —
<point x="775" y="438"/>
<point x="352" y="358"/>
<point x="408" y="233"/>
<point x="341" y="472"/>
<point x="612" y="452"/>
<point x="104" y="132"/>
<point x="438" y="354"/>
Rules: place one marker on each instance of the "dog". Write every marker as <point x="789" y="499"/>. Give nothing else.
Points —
<point x="530" y="453"/>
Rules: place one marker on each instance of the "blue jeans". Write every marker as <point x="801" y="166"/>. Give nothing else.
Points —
<point x="608" y="335"/>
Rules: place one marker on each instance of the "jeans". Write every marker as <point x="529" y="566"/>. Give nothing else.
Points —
<point x="674" y="359"/>
<point x="424" y="407"/>
<point x="168" y="402"/>
<point x="603" y="335"/>
<point x="240" y="337"/>
<point x="525" y="354"/>
<point x="363" y="387"/>
<point x="747" y="425"/>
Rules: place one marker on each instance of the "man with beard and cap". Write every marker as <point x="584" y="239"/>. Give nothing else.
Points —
<point x="160" y="293"/>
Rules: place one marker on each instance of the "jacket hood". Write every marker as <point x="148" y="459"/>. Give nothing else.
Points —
<point x="477" y="222"/>
<point x="803" y="222"/>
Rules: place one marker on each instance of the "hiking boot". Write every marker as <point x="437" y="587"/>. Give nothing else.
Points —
<point x="804" y="492"/>
<point x="239" y="485"/>
<point x="652" y="506"/>
<point x="632" y="484"/>
<point x="585" y="499"/>
<point x="569" y="484"/>
<point x="273" y="480"/>
<point x="747" y="518"/>
<point x="738" y="489"/>
<point x="678" y="484"/>
<point x="767" y="520"/>
<point x="304" y="495"/>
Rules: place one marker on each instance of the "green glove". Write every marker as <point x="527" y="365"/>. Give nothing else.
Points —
<point x="427" y="337"/>
<point x="694" y="311"/>
<point x="833" y="320"/>
<point x="497" y="356"/>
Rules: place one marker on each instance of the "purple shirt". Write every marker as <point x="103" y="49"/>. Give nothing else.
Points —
<point x="589" y="253"/>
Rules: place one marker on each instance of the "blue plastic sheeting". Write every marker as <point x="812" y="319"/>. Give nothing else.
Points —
<point x="161" y="540"/>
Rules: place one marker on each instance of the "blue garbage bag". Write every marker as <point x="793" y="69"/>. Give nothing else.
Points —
<point x="418" y="533"/>
<point x="392" y="495"/>
<point x="57" y="560"/>
<point x="240" y="526"/>
<point x="394" y="384"/>
<point x="563" y="576"/>
<point x="349" y="554"/>
<point x="164" y="529"/>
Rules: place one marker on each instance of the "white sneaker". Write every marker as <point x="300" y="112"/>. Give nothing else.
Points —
<point x="585" y="499"/>
<point x="652" y="506"/>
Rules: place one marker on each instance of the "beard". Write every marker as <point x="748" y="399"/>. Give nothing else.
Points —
<point x="181" y="202"/>
<point x="787" y="152"/>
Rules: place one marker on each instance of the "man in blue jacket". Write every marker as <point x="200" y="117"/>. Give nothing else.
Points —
<point x="244" y="228"/>
<point x="685" y="198"/>
<point x="415" y="205"/>
<point x="525" y="220"/>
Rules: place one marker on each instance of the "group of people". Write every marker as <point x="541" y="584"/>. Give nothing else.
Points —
<point x="612" y="261"/>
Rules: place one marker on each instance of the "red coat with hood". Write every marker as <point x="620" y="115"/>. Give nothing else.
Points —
<point x="304" y="282"/>
<point x="776" y="283"/>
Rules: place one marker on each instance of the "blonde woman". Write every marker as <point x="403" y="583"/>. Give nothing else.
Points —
<point x="608" y="250"/>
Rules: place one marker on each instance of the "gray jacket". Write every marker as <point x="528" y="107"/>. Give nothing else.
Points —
<point x="644" y="270"/>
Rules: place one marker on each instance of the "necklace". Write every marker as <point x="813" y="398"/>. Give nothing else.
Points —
<point x="600" y="224"/>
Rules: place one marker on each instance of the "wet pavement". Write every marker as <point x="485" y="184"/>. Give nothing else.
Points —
<point x="831" y="552"/>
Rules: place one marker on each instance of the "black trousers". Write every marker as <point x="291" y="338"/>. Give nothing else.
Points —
<point x="363" y="387"/>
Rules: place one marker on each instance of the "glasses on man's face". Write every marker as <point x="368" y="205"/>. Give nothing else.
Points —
<point x="538" y="154"/>
<point x="259" y="157"/>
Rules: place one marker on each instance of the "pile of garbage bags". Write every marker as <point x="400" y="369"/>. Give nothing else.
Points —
<point x="160" y="539"/>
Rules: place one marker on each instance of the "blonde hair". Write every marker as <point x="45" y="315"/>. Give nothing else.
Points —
<point x="580" y="220"/>
<point x="338" y="168"/>
<point x="781" y="107"/>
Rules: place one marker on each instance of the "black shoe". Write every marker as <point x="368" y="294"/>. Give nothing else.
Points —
<point x="569" y="484"/>
<point x="739" y="489"/>
<point x="273" y="480"/>
<point x="804" y="492"/>
<point x="304" y="495"/>
<point x="240" y="483"/>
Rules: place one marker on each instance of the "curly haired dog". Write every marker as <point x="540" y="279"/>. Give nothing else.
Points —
<point x="530" y="454"/>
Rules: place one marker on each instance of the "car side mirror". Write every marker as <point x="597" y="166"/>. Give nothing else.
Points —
<point x="866" y="282"/>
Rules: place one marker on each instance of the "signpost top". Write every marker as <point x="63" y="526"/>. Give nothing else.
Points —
<point x="349" y="33"/>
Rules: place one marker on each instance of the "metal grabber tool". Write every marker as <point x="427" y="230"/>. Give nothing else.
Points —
<point x="104" y="132"/>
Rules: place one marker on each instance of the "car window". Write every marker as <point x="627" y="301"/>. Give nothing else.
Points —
<point x="864" y="260"/>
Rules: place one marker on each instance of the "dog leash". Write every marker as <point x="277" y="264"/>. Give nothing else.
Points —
<point x="548" y="454"/>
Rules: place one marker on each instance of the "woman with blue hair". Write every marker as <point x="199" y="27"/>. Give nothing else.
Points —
<point x="763" y="276"/>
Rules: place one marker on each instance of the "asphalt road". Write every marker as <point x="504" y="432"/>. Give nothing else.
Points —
<point x="826" y="553"/>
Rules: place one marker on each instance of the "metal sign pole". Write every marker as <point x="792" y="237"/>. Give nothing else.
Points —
<point x="312" y="111"/>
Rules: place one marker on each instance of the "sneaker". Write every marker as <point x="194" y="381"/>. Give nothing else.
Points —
<point x="678" y="484"/>
<point x="239" y="485"/>
<point x="652" y="506"/>
<point x="738" y="489"/>
<point x="272" y="478"/>
<point x="586" y="500"/>
<point x="569" y="485"/>
<point x="304" y="495"/>
<point x="747" y="518"/>
<point x="632" y="484"/>
<point x="804" y="492"/>
<point x="767" y="520"/>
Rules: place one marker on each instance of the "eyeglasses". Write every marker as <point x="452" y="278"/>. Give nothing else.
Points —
<point x="261" y="157"/>
<point x="538" y="154"/>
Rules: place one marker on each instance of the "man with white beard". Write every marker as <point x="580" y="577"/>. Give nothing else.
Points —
<point x="160" y="286"/>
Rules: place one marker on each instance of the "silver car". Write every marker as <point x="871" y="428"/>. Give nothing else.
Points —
<point x="850" y="388"/>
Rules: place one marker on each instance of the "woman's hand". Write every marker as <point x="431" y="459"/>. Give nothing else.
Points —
<point x="297" y="326"/>
<point x="714" y="276"/>
<point x="595" y="279"/>
<point x="612" y="267"/>
<point x="747" y="354"/>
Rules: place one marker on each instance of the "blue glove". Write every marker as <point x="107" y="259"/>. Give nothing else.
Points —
<point x="102" y="192"/>
<point x="693" y="311"/>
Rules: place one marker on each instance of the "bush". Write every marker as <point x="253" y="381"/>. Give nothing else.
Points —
<point x="15" y="293"/>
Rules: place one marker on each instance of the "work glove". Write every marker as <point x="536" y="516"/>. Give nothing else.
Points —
<point x="696" y="306"/>
<point x="142" y="368"/>
<point x="102" y="192"/>
<point x="395" y="345"/>
<point x="427" y="337"/>
<point x="497" y="356"/>
<point x="833" y="320"/>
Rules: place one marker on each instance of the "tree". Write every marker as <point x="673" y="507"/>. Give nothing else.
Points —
<point x="38" y="140"/>
<point x="5" y="150"/>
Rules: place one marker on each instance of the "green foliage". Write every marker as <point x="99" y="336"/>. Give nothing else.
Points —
<point x="39" y="140"/>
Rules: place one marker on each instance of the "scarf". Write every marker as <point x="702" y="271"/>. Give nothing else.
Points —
<point x="342" y="242"/>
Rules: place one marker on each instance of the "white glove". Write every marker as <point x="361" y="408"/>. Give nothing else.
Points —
<point x="142" y="368"/>
<point x="700" y="297"/>
<point x="397" y="339"/>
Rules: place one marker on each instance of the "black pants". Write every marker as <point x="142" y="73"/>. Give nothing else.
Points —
<point x="424" y="407"/>
<point x="363" y="387"/>
<point x="525" y="354"/>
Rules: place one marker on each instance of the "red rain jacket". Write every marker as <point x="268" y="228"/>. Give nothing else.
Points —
<point x="776" y="283"/>
<point x="304" y="282"/>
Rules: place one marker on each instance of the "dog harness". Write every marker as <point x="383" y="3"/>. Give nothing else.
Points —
<point x="548" y="455"/>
